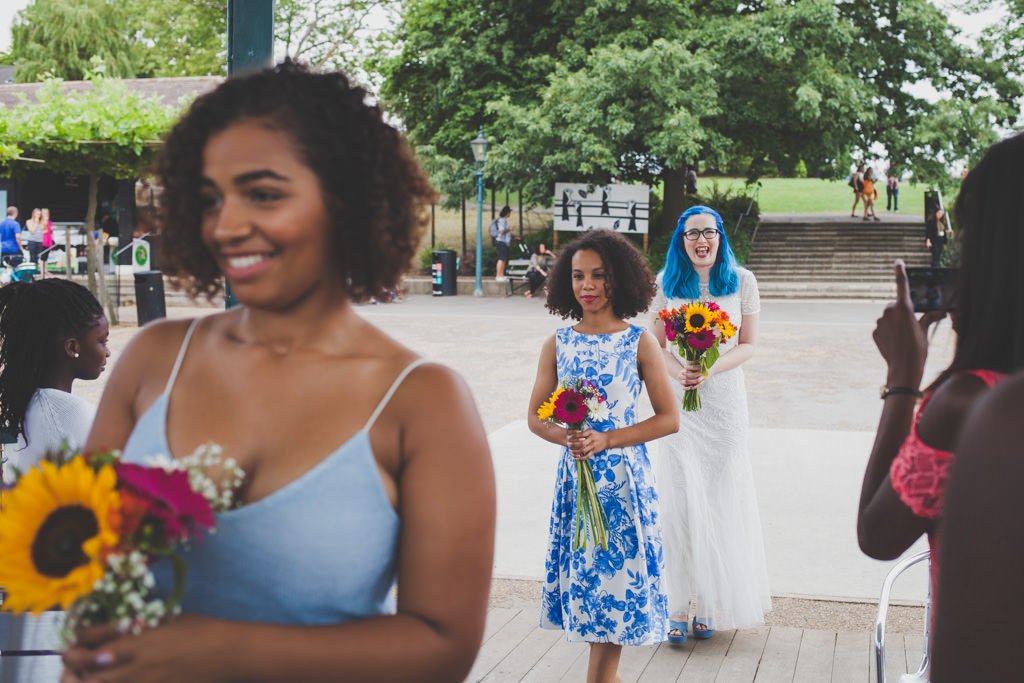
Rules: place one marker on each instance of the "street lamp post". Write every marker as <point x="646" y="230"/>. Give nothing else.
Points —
<point x="479" y="146"/>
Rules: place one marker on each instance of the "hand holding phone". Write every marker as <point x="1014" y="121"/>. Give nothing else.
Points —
<point x="933" y="289"/>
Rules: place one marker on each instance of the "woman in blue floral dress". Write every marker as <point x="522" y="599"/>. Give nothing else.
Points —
<point x="606" y="597"/>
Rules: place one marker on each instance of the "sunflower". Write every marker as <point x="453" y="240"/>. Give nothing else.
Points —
<point x="55" y="531"/>
<point x="547" y="409"/>
<point x="697" y="317"/>
<point x="727" y="328"/>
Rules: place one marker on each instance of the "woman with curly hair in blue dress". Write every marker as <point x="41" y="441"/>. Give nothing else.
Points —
<point x="608" y="597"/>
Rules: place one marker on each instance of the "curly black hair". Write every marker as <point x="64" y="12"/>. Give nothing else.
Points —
<point x="35" y="319"/>
<point x="629" y="280"/>
<point x="375" y="192"/>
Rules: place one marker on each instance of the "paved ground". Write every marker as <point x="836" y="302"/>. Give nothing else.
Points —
<point x="813" y="402"/>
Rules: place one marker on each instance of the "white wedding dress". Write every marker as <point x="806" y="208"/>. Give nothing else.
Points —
<point x="711" y="527"/>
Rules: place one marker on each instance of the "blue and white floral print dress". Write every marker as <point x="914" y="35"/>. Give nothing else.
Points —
<point x="614" y="595"/>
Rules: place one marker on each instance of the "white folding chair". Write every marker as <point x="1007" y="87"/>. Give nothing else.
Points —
<point x="921" y="676"/>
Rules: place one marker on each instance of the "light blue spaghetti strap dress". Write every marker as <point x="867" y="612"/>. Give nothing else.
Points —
<point x="614" y="595"/>
<point x="320" y="550"/>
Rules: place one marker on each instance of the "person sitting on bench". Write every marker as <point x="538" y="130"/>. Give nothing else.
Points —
<point x="541" y="261"/>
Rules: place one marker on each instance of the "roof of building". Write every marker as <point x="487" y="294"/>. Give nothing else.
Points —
<point x="169" y="90"/>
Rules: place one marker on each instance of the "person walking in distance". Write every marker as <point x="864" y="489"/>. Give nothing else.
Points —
<point x="892" y="192"/>
<point x="857" y="183"/>
<point x="10" y="238"/>
<point x="501" y="238"/>
<point x="936" y="234"/>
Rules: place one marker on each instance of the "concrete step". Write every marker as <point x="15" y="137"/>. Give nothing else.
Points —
<point x="815" y="277"/>
<point x="465" y="284"/>
<point x="858" y="224"/>
<point x="829" y="264"/>
<point x="826" y="290"/>
<point x="865" y="258"/>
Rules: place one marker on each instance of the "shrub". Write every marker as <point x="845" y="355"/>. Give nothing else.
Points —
<point x="426" y="258"/>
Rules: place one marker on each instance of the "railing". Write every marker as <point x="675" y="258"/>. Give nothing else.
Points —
<point x="753" y="200"/>
<point x="114" y="256"/>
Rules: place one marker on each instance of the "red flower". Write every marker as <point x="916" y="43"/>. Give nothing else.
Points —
<point x="169" y="497"/>
<point x="570" y="407"/>
<point x="670" y="331"/>
<point x="712" y="306"/>
<point x="701" y="341"/>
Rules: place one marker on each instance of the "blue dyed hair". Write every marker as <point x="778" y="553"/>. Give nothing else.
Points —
<point x="678" y="278"/>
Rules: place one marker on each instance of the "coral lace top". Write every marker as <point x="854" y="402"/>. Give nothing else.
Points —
<point x="919" y="473"/>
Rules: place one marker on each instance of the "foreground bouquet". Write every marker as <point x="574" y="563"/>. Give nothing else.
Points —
<point x="575" y="403"/>
<point x="82" y="531"/>
<point x="697" y="329"/>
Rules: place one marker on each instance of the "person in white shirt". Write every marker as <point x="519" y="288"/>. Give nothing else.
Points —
<point x="52" y="332"/>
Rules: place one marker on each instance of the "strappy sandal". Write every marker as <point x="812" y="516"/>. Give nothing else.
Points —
<point x="704" y="633"/>
<point x="681" y="627"/>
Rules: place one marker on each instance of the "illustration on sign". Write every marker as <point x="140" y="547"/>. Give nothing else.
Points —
<point x="580" y="207"/>
<point x="141" y="256"/>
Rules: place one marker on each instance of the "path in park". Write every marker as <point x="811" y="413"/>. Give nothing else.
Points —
<point x="813" y="402"/>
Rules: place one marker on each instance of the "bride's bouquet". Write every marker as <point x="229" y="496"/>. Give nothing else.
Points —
<point x="81" y="531"/>
<point x="697" y="329"/>
<point x="576" y="402"/>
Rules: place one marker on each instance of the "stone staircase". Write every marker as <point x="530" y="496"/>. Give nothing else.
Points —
<point x="830" y="257"/>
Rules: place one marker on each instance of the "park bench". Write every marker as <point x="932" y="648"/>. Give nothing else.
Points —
<point x="515" y="275"/>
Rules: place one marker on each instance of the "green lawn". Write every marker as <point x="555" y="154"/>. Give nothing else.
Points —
<point x="814" y="195"/>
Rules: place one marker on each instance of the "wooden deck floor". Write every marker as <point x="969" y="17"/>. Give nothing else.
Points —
<point x="515" y="649"/>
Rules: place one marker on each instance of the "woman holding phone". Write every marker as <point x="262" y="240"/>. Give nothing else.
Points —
<point x="897" y="503"/>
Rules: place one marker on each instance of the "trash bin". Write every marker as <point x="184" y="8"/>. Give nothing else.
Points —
<point x="444" y="267"/>
<point x="149" y="296"/>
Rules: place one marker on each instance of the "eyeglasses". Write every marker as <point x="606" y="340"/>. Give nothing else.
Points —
<point x="708" y="233"/>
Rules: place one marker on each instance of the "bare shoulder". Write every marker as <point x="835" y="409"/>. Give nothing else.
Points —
<point x="438" y="415"/>
<point x="946" y="412"/>
<point x="995" y="417"/>
<point x="155" y="343"/>
<point x="648" y="343"/>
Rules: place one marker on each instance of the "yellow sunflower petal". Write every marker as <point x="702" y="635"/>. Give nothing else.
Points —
<point x="37" y="496"/>
<point x="697" y="318"/>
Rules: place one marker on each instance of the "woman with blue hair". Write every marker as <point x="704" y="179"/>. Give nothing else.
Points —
<point x="714" y="553"/>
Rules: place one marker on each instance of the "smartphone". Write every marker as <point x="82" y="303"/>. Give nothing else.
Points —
<point x="933" y="289"/>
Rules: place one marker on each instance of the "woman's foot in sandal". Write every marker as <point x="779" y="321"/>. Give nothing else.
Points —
<point x="677" y="632"/>
<point x="701" y="629"/>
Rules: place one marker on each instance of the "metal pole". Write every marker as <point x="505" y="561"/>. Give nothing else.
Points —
<point x="250" y="48"/>
<point x="520" y="214"/>
<point x="479" y="290"/>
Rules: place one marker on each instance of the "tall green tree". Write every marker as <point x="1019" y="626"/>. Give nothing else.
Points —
<point x="105" y="130"/>
<point x="194" y="43"/>
<point x="907" y="42"/>
<point x="772" y="82"/>
<point x="65" y="38"/>
<point x="131" y="38"/>
<point x="342" y="35"/>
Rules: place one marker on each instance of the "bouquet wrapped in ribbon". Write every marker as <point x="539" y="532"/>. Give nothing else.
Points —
<point x="697" y="329"/>
<point x="576" y="403"/>
<point x="82" y="531"/>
